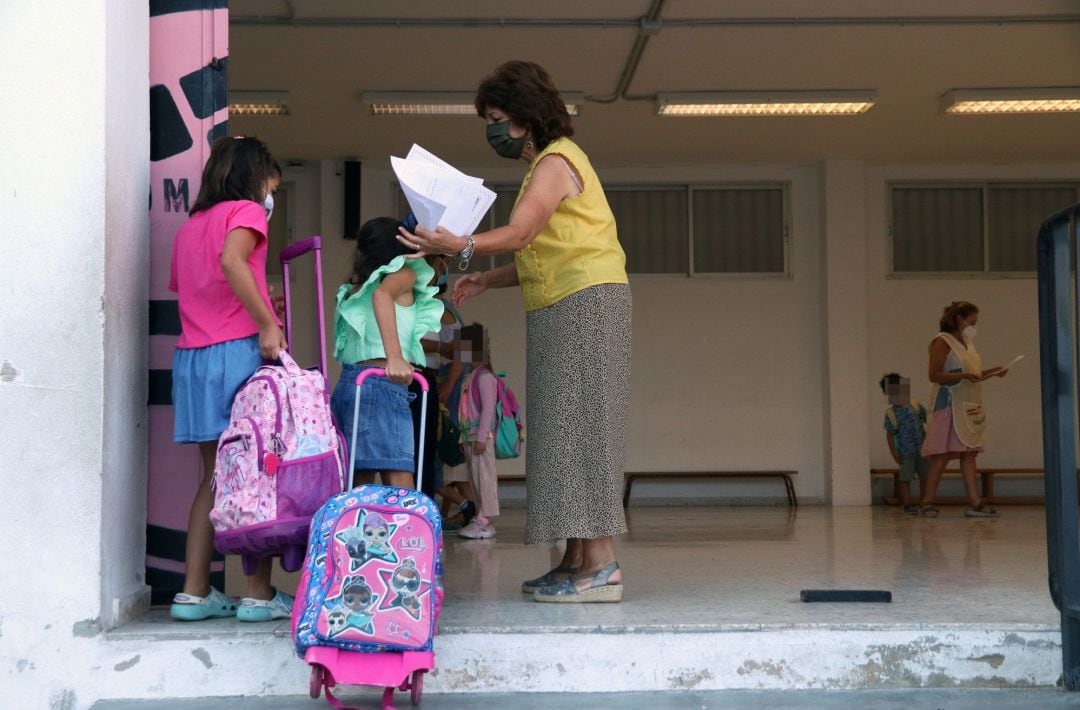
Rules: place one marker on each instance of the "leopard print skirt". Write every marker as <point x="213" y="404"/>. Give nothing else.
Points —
<point x="577" y="402"/>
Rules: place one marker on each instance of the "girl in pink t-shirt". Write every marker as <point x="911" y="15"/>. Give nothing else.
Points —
<point x="229" y="327"/>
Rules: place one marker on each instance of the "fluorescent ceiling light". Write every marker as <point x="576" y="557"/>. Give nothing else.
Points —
<point x="765" y="103"/>
<point x="259" y="103"/>
<point x="1045" y="100"/>
<point x="441" y="103"/>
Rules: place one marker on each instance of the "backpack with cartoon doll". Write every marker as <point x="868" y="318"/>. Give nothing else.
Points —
<point x="371" y="590"/>
<point x="281" y="456"/>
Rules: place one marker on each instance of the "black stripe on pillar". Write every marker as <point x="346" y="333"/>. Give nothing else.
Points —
<point x="165" y="584"/>
<point x="169" y="544"/>
<point x="164" y="317"/>
<point x="160" y="387"/>
<point x="167" y="7"/>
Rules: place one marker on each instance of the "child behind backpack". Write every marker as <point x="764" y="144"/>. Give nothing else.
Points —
<point x="477" y="417"/>
<point x="383" y="311"/>
<point x="228" y="327"/>
<point x="905" y="427"/>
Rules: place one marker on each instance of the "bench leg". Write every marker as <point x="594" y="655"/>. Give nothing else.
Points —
<point x="790" y="486"/>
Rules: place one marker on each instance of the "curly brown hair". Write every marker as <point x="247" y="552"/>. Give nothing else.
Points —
<point x="953" y="312"/>
<point x="525" y="92"/>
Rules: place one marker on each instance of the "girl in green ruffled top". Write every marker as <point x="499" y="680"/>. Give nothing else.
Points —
<point x="383" y="310"/>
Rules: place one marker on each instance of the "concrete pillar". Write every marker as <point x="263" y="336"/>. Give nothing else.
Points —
<point x="73" y="338"/>
<point x="845" y="328"/>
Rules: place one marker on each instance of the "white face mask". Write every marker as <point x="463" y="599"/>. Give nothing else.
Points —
<point x="968" y="332"/>
<point x="268" y="205"/>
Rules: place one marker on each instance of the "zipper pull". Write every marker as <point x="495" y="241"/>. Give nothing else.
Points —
<point x="271" y="463"/>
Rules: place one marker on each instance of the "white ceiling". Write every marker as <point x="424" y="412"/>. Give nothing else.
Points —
<point x="325" y="69"/>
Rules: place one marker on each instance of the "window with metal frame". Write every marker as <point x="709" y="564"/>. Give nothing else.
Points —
<point x="985" y="228"/>
<point x="682" y="229"/>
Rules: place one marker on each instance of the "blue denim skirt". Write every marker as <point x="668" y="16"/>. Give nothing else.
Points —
<point x="204" y="383"/>
<point x="384" y="434"/>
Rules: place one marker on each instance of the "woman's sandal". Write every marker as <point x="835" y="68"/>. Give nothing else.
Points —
<point x="550" y="579"/>
<point x="599" y="590"/>
<point x="928" y="511"/>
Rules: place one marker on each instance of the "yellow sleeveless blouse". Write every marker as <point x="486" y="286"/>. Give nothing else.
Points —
<point x="579" y="246"/>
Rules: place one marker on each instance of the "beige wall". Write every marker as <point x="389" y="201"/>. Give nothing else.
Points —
<point x="736" y="373"/>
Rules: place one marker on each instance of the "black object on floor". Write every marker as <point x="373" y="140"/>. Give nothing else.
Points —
<point x="845" y="595"/>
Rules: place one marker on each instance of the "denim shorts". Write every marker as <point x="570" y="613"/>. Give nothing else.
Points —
<point x="384" y="434"/>
<point x="204" y="383"/>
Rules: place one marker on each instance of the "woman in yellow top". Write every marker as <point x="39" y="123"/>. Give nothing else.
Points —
<point x="572" y="274"/>
<point x="957" y="426"/>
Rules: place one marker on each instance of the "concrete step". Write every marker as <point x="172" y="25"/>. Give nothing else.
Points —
<point x="158" y="658"/>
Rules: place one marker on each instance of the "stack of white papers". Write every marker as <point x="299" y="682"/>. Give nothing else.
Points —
<point x="439" y="194"/>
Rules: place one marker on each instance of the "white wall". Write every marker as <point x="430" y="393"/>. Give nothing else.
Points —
<point x="72" y="353"/>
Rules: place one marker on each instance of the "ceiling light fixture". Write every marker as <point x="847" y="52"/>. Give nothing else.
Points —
<point x="441" y="103"/>
<point x="259" y="103"/>
<point x="765" y="103"/>
<point x="1062" y="99"/>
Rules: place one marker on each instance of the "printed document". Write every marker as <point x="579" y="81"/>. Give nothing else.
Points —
<point x="439" y="194"/>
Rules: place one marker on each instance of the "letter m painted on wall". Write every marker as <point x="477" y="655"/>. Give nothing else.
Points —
<point x="174" y="193"/>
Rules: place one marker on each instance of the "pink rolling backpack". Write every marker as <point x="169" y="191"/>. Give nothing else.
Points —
<point x="370" y="594"/>
<point x="281" y="456"/>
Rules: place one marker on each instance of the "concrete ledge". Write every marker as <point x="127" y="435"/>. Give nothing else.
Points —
<point x="154" y="661"/>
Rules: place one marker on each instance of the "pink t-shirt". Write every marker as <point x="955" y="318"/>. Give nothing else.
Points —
<point x="210" y="312"/>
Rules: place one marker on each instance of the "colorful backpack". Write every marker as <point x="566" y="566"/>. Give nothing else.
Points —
<point x="509" y="431"/>
<point x="281" y="456"/>
<point x="372" y="578"/>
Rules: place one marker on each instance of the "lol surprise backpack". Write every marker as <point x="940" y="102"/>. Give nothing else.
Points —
<point x="509" y="431"/>
<point x="281" y="456"/>
<point x="372" y="578"/>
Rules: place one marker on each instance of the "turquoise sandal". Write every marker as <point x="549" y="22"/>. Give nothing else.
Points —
<point x="214" y="605"/>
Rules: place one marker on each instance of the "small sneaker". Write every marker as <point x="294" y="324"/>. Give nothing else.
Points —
<point x="186" y="607"/>
<point x="477" y="531"/>
<point x="280" y="607"/>
<point x="468" y="511"/>
<point x="910" y="509"/>
<point x="982" y="511"/>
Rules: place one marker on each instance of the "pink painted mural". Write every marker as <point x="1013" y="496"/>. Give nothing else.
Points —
<point x="188" y="110"/>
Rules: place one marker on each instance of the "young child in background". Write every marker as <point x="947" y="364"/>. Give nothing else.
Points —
<point x="228" y="328"/>
<point x="382" y="313"/>
<point x="479" y="395"/>
<point x="905" y="430"/>
<point x="451" y="482"/>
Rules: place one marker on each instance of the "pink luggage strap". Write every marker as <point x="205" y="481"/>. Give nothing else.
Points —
<point x="311" y="244"/>
<point x="381" y="372"/>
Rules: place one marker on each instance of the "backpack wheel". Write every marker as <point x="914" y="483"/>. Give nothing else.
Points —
<point x="416" y="689"/>
<point x="316" y="683"/>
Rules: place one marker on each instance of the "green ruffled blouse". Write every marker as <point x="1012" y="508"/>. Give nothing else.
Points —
<point x="356" y="334"/>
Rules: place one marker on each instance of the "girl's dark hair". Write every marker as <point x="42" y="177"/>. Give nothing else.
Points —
<point x="953" y="311"/>
<point x="525" y="92"/>
<point x="376" y="245"/>
<point x="891" y="378"/>
<point x="237" y="170"/>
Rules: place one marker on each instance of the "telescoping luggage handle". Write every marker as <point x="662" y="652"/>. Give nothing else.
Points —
<point x="380" y="372"/>
<point x="311" y="244"/>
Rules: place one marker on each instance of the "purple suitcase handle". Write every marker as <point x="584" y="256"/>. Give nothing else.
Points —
<point x="311" y="244"/>
<point x="381" y="372"/>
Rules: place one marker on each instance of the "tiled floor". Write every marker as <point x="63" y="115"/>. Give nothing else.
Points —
<point x="744" y="566"/>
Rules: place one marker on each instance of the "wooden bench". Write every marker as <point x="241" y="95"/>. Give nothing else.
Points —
<point x="986" y="478"/>
<point x="785" y="476"/>
<point x="631" y="476"/>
